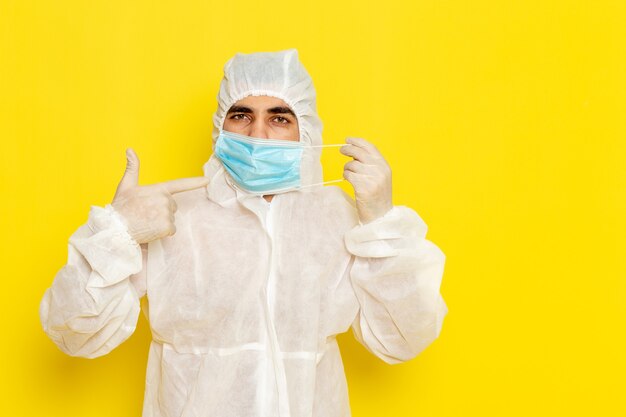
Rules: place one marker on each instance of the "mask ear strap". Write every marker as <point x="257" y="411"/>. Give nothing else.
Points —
<point x="323" y="183"/>
<point x="333" y="145"/>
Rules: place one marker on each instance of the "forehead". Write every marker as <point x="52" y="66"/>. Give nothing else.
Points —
<point x="261" y="103"/>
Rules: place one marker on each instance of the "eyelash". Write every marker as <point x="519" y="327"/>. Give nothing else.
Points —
<point x="286" y="121"/>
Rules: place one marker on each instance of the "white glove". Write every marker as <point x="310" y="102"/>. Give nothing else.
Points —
<point x="370" y="175"/>
<point x="148" y="210"/>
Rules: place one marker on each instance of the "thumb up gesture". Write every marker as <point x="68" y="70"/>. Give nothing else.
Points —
<point x="149" y="209"/>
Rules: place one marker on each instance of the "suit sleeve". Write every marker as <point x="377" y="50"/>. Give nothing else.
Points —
<point x="93" y="303"/>
<point x="396" y="276"/>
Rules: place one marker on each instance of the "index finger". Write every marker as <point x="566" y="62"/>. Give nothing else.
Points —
<point x="184" y="184"/>
<point x="361" y="143"/>
<point x="357" y="153"/>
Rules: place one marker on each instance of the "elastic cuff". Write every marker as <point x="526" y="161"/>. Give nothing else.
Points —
<point x="110" y="251"/>
<point x="384" y="236"/>
<point x="105" y="218"/>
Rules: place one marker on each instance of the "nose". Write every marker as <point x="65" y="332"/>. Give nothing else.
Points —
<point x="259" y="129"/>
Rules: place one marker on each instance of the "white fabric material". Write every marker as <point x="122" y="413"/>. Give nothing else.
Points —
<point x="246" y="299"/>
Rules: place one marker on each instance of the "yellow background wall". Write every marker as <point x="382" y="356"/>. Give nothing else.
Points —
<point x="504" y="122"/>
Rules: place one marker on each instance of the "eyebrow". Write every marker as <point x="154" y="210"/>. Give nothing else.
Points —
<point x="239" y="109"/>
<point x="281" y="110"/>
<point x="273" y="110"/>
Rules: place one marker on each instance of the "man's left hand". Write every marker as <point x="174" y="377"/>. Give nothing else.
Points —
<point x="370" y="175"/>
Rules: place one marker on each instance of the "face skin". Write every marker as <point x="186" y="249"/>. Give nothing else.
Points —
<point x="262" y="117"/>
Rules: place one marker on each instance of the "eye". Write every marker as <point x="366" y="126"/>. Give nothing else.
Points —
<point x="238" y="116"/>
<point x="281" y="120"/>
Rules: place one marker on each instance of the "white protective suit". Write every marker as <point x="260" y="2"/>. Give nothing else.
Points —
<point x="246" y="299"/>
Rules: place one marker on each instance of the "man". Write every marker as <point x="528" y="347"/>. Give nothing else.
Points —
<point x="247" y="290"/>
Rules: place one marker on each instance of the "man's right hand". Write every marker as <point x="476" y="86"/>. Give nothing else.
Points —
<point x="149" y="209"/>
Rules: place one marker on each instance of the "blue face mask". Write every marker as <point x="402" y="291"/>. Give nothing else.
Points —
<point x="262" y="166"/>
